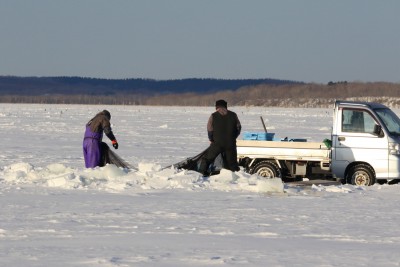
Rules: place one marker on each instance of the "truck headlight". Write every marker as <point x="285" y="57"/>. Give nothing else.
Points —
<point x="394" y="148"/>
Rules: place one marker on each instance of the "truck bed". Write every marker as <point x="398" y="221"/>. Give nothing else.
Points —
<point x="306" y="151"/>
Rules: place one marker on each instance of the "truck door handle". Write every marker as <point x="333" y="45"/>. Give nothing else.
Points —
<point x="341" y="138"/>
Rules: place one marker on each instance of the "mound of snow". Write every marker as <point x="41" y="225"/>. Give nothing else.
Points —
<point x="149" y="176"/>
<point x="19" y="172"/>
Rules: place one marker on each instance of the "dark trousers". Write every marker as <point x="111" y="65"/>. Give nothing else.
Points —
<point x="229" y="153"/>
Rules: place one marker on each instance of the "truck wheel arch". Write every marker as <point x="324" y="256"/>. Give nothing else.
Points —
<point x="360" y="173"/>
<point x="266" y="168"/>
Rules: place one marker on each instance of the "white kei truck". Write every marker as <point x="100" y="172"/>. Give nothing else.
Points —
<point x="364" y="148"/>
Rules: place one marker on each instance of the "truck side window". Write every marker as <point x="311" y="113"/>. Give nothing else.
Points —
<point x="357" y="121"/>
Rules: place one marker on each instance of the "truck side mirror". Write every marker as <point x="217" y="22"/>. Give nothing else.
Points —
<point x="378" y="130"/>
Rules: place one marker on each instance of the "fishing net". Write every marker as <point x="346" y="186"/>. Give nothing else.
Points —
<point x="193" y="163"/>
<point x="109" y="157"/>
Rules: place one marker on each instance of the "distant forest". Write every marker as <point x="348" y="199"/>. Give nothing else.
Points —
<point x="191" y="92"/>
<point x="33" y="86"/>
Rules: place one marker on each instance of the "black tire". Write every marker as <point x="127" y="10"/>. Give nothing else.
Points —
<point x="267" y="169"/>
<point x="361" y="175"/>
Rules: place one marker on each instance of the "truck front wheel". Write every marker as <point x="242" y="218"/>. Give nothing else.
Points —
<point x="361" y="175"/>
<point x="267" y="169"/>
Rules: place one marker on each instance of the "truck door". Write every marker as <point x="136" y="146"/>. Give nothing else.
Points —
<point x="354" y="140"/>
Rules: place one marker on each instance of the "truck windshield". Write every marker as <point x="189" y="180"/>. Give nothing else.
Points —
<point x="390" y="119"/>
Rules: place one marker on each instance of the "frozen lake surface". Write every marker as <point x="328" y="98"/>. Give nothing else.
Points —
<point x="54" y="212"/>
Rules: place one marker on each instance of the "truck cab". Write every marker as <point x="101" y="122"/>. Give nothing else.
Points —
<point x="365" y="143"/>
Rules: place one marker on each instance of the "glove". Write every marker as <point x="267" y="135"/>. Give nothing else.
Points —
<point x="114" y="144"/>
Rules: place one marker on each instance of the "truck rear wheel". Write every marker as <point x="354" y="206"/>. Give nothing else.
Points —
<point x="361" y="175"/>
<point x="267" y="169"/>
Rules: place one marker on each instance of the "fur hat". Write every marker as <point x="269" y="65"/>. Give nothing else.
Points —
<point x="221" y="103"/>
<point x="107" y="114"/>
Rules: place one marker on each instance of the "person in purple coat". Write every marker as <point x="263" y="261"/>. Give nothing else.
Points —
<point x="92" y="147"/>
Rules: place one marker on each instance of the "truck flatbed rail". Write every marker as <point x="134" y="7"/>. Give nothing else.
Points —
<point x="302" y="151"/>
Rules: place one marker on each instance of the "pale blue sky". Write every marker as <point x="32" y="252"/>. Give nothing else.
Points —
<point x="304" y="40"/>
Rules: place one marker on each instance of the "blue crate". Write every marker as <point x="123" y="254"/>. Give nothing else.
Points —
<point x="258" y="136"/>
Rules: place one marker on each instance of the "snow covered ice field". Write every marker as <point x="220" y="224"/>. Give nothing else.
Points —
<point x="54" y="212"/>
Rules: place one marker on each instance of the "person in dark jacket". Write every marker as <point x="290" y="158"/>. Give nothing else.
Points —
<point x="92" y="147"/>
<point x="223" y="128"/>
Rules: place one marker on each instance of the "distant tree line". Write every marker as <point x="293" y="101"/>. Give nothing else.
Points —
<point x="148" y="87"/>
<point x="75" y="99"/>
<point x="290" y="94"/>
